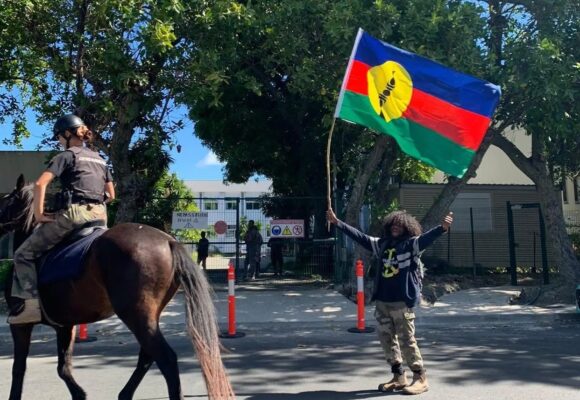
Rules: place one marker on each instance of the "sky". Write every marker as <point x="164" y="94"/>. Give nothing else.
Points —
<point x="194" y="162"/>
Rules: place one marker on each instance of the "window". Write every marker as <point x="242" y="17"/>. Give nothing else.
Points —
<point x="209" y="205"/>
<point x="231" y="204"/>
<point x="231" y="232"/>
<point x="252" y="205"/>
<point x="577" y="189"/>
<point x="564" y="191"/>
<point x="480" y="206"/>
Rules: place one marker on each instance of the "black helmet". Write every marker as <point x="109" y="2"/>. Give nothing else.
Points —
<point x="66" y="122"/>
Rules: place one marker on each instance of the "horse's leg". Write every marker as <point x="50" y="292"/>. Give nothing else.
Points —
<point x="154" y="344"/>
<point x="143" y="365"/>
<point x="65" y="343"/>
<point x="21" y="335"/>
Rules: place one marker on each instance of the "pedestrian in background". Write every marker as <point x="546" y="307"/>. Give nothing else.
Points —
<point x="202" y="251"/>
<point x="276" y="244"/>
<point x="397" y="291"/>
<point x="253" y="240"/>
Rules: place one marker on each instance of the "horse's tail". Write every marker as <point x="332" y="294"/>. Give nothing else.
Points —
<point x="201" y="323"/>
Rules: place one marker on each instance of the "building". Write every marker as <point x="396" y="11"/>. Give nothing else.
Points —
<point x="479" y="236"/>
<point x="485" y="200"/>
<point x="12" y="164"/>
<point x="228" y="203"/>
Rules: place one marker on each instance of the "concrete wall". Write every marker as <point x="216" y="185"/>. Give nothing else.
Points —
<point x="13" y="163"/>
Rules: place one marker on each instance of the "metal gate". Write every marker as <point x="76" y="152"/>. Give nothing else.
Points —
<point x="307" y="252"/>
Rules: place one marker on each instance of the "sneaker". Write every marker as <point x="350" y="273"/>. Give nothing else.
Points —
<point x="30" y="314"/>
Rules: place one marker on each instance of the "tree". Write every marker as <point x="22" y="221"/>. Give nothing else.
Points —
<point x="11" y="35"/>
<point x="274" y="81"/>
<point x="168" y="195"/>
<point x="117" y="64"/>
<point x="533" y="53"/>
<point x="541" y="80"/>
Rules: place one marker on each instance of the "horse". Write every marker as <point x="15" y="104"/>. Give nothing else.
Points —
<point x="133" y="271"/>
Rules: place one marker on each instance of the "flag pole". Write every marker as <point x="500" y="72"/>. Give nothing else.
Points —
<point x="328" y="177"/>
<point x="336" y="114"/>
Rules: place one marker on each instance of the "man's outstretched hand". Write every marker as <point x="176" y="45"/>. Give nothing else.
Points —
<point x="447" y="221"/>
<point x="331" y="217"/>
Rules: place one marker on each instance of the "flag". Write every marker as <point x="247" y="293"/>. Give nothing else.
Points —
<point x="436" y="114"/>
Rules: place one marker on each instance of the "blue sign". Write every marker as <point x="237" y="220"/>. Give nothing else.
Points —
<point x="276" y="230"/>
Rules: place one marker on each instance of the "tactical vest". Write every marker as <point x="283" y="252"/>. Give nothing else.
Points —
<point x="86" y="180"/>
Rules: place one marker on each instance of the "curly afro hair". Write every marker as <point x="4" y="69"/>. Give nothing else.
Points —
<point x="410" y="225"/>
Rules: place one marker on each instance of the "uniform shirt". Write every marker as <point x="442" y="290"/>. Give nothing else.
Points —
<point x="82" y="171"/>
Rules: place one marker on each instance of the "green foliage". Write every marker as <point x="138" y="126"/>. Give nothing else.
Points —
<point x="117" y="63"/>
<point x="539" y="76"/>
<point x="5" y="266"/>
<point x="575" y="237"/>
<point x="169" y="194"/>
<point x="243" y="227"/>
<point x="268" y="84"/>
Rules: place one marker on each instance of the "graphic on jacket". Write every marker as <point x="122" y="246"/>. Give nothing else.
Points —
<point x="390" y="264"/>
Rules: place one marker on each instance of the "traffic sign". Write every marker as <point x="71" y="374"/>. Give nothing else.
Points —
<point x="287" y="228"/>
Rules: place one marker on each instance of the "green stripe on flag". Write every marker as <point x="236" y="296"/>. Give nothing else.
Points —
<point x="414" y="139"/>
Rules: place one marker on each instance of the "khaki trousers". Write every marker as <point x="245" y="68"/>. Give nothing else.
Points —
<point x="397" y="334"/>
<point x="44" y="238"/>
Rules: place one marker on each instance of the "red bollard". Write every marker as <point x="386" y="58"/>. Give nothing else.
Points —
<point x="231" y="333"/>
<point x="83" y="336"/>
<point x="360" y="301"/>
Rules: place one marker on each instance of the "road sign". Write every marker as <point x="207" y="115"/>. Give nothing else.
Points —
<point x="189" y="220"/>
<point x="220" y="227"/>
<point x="287" y="228"/>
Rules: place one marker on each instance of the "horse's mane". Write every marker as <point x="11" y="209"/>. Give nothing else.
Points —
<point x="27" y="215"/>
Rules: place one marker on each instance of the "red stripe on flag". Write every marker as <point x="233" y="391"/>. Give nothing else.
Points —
<point x="463" y="127"/>
<point x="357" y="79"/>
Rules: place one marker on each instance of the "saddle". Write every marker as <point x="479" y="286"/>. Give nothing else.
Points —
<point x="65" y="260"/>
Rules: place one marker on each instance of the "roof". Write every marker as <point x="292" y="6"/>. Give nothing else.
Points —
<point x="219" y="188"/>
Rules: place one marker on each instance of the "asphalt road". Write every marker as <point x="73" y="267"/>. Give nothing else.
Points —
<point x="523" y="357"/>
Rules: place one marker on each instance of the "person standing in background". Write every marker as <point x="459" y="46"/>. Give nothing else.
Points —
<point x="202" y="251"/>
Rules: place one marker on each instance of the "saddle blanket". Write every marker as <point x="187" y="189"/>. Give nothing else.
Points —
<point x="65" y="261"/>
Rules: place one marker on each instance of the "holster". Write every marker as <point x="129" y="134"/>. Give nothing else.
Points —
<point x="63" y="200"/>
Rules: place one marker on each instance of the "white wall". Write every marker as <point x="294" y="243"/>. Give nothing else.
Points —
<point x="496" y="167"/>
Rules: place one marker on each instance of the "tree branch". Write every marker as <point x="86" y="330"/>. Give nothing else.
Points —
<point x="523" y="163"/>
<point x="79" y="68"/>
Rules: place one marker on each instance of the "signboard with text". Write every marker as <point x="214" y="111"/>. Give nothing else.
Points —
<point x="287" y="228"/>
<point x="189" y="220"/>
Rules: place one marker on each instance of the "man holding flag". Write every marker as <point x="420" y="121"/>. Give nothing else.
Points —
<point x="437" y="115"/>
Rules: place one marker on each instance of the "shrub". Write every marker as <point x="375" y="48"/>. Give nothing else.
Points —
<point x="4" y="267"/>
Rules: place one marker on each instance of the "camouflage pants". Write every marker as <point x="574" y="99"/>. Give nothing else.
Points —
<point x="44" y="238"/>
<point x="397" y="334"/>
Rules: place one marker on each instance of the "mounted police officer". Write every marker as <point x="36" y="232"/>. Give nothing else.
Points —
<point x="86" y="184"/>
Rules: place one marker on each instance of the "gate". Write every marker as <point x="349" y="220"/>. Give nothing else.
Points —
<point x="306" y="247"/>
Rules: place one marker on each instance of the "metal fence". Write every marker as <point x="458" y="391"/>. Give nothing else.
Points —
<point x="307" y="258"/>
<point x="506" y="240"/>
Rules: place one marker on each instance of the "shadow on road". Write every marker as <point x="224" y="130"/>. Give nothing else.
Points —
<point x="315" y="394"/>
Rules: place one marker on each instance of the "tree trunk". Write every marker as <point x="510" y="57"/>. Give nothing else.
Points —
<point x="127" y="187"/>
<point x="450" y="191"/>
<point x="536" y="168"/>
<point x="361" y="182"/>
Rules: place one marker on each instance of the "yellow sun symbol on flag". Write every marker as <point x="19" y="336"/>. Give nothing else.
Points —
<point x="390" y="89"/>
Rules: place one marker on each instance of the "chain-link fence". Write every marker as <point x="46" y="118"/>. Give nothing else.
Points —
<point x="505" y="240"/>
<point x="295" y="244"/>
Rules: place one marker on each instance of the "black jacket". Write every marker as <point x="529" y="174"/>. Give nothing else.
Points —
<point x="399" y="267"/>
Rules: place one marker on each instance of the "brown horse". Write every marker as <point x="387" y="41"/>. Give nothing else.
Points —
<point x="133" y="271"/>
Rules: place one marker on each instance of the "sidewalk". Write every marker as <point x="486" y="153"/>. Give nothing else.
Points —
<point x="324" y="308"/>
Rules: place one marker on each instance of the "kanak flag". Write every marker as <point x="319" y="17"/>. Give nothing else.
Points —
<point x="436" y="114"/>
